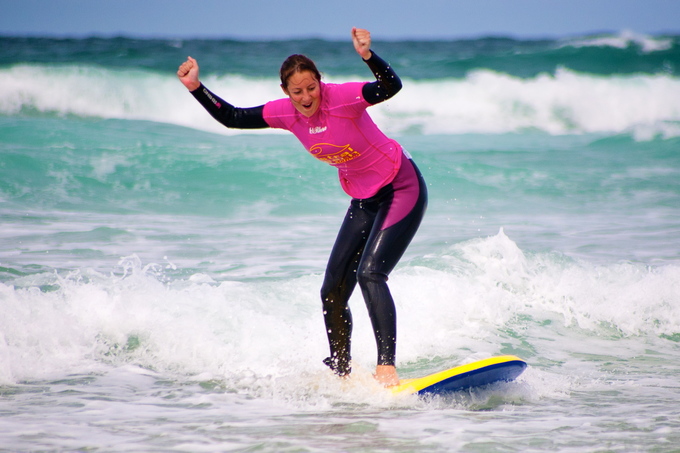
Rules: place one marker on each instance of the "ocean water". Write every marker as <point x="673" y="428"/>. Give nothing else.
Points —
<point x="159" y="274"/>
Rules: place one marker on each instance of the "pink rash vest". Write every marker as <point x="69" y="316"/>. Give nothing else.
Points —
<point x="342" y="134"/>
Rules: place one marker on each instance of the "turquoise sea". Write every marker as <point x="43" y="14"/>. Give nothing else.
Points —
<point x="159" y="274"/>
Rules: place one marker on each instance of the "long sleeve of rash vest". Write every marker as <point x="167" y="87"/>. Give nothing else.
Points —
<point x="387" y="82"/>
<point x="227" y="114"/>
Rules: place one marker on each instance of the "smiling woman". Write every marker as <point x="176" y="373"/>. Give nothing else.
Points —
<point x="303" y="90"/>
<point x="300" y="81"/>
<point x="388" y="192"/>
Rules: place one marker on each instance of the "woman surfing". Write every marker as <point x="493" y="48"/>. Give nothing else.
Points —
<point x="389" y="195"/>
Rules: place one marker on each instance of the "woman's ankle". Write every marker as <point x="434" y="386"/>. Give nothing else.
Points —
<point x="386" y="375"/>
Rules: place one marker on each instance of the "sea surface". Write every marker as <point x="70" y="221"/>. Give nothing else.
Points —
<point x="160" y="274"/>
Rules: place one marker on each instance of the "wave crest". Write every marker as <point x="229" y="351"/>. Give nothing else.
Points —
<point x="483" y="102"/>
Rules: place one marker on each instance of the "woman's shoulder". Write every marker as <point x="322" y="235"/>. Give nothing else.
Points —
<point x="279" y="107"/>
<point x="342" y="88"/>
<point x="279" y="113"/>
<point x="338" y="95"/>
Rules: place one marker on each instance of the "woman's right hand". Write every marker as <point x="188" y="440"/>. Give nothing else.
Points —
<point x="362" y="42"/>
<point x="188" y="74"/>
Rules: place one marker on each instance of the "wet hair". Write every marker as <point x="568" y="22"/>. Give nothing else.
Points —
<point x="297" y="63"/>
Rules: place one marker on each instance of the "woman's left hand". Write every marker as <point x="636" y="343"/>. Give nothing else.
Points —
<point x="362" y="42"/>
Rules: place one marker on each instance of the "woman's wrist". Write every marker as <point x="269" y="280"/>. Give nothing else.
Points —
<point x="193" y="86"/>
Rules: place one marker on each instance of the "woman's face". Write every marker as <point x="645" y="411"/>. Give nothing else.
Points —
<point x="304" y="92"/>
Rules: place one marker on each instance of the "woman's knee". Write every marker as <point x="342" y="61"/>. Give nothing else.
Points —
<point x="367" y="275"/>
<point x="334" y="294"/>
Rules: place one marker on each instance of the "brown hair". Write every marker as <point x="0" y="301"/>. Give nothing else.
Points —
<point x="297" y="63"/>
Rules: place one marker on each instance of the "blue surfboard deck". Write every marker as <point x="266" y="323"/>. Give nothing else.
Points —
<point x="483" y="372"/>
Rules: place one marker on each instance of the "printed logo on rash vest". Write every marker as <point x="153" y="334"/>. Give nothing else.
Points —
<point x="212" y="99"/>
<point x="333" y="154"/>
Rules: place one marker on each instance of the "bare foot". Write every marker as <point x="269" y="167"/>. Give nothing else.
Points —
<point x="386" y="375"/>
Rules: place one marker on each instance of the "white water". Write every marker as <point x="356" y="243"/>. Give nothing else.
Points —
<point x="481" y="290"/>
<point x="143" y="361"/>
<point x="484" y="101"/>
<point x="622" y="40"/>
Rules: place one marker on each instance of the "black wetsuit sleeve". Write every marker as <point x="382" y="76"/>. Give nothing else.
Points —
<point x="227" y="114"/>
<point x="387" y="82"/>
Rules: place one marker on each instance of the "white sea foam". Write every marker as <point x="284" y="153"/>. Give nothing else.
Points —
<point x="476" y="299"/>
<point x="568" y="102"/>
<point x="484" y="101"/>
<point x="622" y="40"/>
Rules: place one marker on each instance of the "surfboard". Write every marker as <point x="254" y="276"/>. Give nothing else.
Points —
<point x="483" y="372"/>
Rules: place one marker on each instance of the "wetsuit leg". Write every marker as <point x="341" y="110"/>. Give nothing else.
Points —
<point x="339" y="283"/>
<point x="384" y="248"/>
